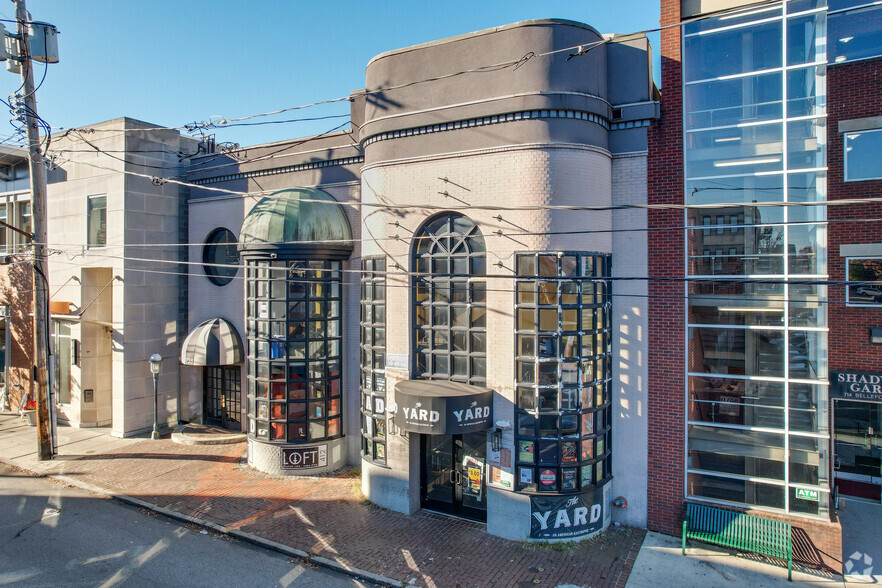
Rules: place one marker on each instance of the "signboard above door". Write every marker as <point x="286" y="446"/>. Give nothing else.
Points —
<point x="863" y="386"/>
<point x="436" y="407"/>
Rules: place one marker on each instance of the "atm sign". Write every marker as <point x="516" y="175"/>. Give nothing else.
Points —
<point x="803" y="494"/>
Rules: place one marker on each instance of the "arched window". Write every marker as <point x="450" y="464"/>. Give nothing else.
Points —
<point x="450" y="297"/>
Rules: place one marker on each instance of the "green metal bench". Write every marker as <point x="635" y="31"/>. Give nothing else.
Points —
<point x="739" y="531"/>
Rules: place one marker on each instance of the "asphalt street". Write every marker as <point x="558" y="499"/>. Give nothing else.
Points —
<point x="54" y="535"/>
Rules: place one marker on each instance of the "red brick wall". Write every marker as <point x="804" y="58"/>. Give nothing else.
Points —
<point x="16" y="286"/>
<point x="854" y="90"/>
<point x="666" y="410"/>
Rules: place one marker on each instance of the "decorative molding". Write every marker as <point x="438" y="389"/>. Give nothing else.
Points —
<point x="490" y="151"/>
<point x="489" y="120"/>
<point x="281" y="170"/>
<point x="631" y="124"/>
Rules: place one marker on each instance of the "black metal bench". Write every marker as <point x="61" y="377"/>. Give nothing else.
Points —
<point x="739" y="531"/>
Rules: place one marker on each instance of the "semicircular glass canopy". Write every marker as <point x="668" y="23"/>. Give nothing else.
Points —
<point x="305" y="217"/>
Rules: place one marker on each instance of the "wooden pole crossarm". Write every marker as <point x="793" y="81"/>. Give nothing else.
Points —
<point x="30" y="236"/>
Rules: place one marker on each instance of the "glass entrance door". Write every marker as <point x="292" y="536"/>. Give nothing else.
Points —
<point x="221" y="401"/>
<point x="857" y="434"/>
<point x="453" y="474"/>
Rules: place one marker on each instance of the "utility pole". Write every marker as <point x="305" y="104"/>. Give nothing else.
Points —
<point x="38" y="219"/>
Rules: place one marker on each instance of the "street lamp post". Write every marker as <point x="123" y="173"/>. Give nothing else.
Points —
<point x="155" y="362"/>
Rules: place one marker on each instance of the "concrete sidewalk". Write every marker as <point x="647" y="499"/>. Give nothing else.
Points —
<point x="321" y="518"/>
<point x="661" y="563"/>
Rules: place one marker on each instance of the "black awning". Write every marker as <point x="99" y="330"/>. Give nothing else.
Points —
<point x="214" y="342"/>
<point x="442" y="408"/>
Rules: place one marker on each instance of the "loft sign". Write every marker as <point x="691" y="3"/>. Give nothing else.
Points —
<point x="862" y="386"/>
<point x="566" y="516"/>
<point x="294" y="458"/>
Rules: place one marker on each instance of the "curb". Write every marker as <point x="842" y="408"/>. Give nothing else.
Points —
<point x="178" y="436"/>
<point x="306" y="556"/>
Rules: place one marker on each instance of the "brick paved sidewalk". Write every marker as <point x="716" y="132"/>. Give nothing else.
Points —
<point x="327" y="516"/>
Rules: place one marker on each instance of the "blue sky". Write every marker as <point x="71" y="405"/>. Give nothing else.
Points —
<point x="173" y="62"/>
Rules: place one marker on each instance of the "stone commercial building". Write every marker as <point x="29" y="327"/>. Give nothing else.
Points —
<point x="530" y="294"/>
<point x="430" y="293"/>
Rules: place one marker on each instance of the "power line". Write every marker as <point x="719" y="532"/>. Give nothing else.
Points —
<point x="83" y="247"/>
<point x="530" y="208"/>
<point x="771" y="279"/>
<point x="720" y="298"/>
<point x="581" y="49"/>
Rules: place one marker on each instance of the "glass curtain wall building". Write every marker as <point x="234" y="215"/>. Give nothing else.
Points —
<point x="754" y="141"/>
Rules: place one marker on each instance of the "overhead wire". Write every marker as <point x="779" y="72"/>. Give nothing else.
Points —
<point x="618" y="207"/>
<point x="792" y="279"/>
<point x="610" y="279"/>
<point x="581" y="49"/>
<point x="500" y="208"/>
<point x="77" y="247"/>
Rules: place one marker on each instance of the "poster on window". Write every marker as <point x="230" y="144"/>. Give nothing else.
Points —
<point x="526" y="450"/>
<point x="566" y="517"/>
<point x="473" y="468"/>
<point x="499" y="468"/>
<point x="568" y="479"/>
<point x="568" y="452"/>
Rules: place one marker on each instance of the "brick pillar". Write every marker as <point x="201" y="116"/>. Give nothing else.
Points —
<point x="854" y="91"/>
<point x="667" y="357"/>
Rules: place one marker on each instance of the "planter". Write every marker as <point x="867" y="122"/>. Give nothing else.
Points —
<point x="31" y="415"/>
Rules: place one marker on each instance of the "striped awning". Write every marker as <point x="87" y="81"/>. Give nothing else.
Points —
<point x="214" y="342"/>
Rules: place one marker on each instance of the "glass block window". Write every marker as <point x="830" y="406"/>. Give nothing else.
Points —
<point x="373" y="359"/>
<point x="562" y="371"/>
<point x="450" y="290"/>
<point x="294" y="350"/>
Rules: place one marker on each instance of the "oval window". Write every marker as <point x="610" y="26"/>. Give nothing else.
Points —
<point x="220" y="258"/>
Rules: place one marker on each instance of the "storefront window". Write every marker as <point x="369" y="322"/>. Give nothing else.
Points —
<point x="373" y="359"/>
<point x="294" y="350"/>
<point x="450" y="290"/>
<point x="755" y="132"/>
<point x="562" y="370"/>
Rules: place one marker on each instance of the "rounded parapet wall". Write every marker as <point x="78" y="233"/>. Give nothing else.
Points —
<point x="520" y="73"/>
